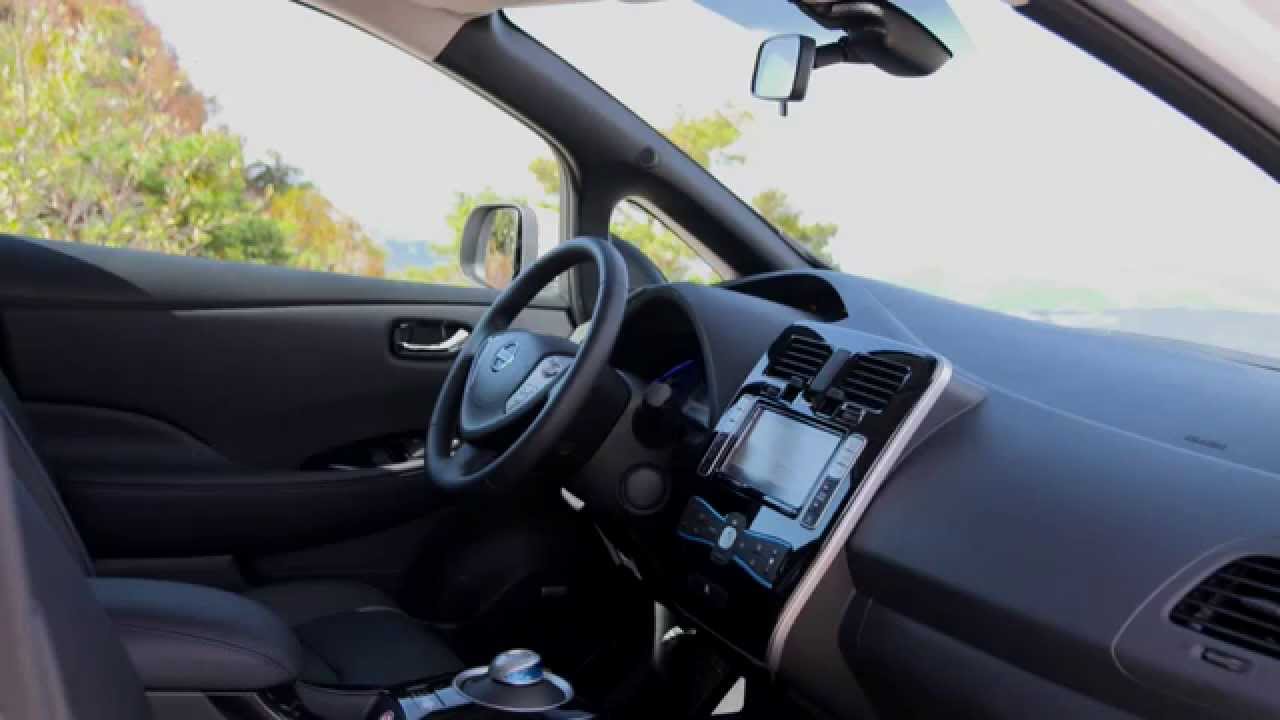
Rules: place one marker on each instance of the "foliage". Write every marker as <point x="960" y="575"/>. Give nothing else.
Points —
<point x="546" y="171"/>
<point x="320" y="237"/>
<point x="775" y="207"/>
<point x="103" y="141"/>
<point x="707" y="139"/>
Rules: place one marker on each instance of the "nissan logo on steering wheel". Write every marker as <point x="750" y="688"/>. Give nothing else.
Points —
<point x="504" y="357"/>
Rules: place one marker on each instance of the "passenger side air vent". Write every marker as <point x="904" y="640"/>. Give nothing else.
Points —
<point x="799" y="358"/>
<point x="871" y="381"/>
<point x="1239" y="605"/>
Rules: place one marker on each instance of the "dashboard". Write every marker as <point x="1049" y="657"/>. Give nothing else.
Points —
<point x="879" y="496"/>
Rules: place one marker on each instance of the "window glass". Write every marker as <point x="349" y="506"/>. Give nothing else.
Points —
<point x="248" y="130"/>
<point x="1024" y="177"/>
<point x="673" y="256"/>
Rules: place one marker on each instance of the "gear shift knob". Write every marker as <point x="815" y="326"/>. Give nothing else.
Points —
<point x="520" y="668"/>
<point x="514" y="682"/>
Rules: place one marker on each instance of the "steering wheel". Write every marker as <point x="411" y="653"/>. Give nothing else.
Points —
<point x="511" y="394"/>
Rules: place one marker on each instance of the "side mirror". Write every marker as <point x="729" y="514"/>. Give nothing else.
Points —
<point x="783" y="66"/>
<point x="498" y="241"/>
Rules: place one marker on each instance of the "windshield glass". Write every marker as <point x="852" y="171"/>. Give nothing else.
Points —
<point x="1024" y="177"/>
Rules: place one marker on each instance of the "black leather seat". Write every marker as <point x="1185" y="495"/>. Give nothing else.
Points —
<point x="351" y="634"/>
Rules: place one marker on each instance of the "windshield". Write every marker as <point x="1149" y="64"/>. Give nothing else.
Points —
<point x="1024" y="177"/>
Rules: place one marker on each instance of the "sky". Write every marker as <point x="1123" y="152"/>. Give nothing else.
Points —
<point x="1023" y="164"/>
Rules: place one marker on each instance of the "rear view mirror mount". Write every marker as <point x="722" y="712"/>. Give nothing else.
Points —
<point x="876" y="32"/>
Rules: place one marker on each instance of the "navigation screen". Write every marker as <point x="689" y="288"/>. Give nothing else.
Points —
<point x="781" y="457"/>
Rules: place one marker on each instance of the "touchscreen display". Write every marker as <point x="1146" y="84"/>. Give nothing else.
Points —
<point x="781" y="457"/>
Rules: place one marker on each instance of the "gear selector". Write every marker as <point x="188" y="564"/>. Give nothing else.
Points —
<point x="514" y="684"/>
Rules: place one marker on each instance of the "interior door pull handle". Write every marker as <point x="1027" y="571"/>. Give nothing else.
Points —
<point x="448" y="345"/>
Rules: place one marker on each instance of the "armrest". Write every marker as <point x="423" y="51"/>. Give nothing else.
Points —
<point x="190" y="637"/>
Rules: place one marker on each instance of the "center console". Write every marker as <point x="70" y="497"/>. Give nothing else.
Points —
<point x="787" y="466"/>
<point x="514" y="684"/>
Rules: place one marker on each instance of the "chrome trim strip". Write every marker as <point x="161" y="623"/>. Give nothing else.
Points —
<point x="853" y="512"/>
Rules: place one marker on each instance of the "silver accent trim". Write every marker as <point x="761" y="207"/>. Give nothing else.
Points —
<point x="450" y="344"/>
<point x="853" y="512"/>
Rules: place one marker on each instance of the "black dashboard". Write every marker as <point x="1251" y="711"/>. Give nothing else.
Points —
<point x="1007" y="521"/>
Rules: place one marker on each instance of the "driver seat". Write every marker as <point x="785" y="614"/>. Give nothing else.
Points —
<point x="352" y="634"/>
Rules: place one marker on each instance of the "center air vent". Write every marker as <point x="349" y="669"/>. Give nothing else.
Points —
<point x="799" y="358"/>
<point x="871" y="382"/>
<point x="1239" y="604"/>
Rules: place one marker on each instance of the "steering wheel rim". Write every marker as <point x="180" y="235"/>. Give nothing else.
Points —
<point x="468" y="465"/>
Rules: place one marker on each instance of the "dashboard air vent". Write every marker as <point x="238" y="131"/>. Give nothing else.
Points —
<point x="1239" y="605"/>
<point x="870" y="381"/>
<point x="799" y="358"/>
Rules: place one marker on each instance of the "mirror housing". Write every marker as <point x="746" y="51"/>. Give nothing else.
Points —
<point x="889" y="34"/>
<point x="498" y="241"/>
<point x="783" y="65"/>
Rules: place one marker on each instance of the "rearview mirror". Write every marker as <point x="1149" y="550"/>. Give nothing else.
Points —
<point x="498" y="241"/>
<point x="900" y="37"/>
<point x="782" y="68"/>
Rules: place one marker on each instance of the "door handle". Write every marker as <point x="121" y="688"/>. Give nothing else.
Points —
<point x="424" y="339"/>
<point x="448" y="345"/>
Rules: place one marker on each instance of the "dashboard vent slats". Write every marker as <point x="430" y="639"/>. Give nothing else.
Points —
<point x="871" y="381"/>
<point x="799" y="359"/>
<point x="1239" y="604"/>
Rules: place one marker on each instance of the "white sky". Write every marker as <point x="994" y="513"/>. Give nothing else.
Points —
<point x="1026" y="161"/>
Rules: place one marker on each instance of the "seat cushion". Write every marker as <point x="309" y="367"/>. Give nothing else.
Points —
<point x="355" y="635"/>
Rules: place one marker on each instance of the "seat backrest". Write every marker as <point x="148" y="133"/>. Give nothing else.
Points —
<point x="31" y="472"/>
<point x="61" y="656"/>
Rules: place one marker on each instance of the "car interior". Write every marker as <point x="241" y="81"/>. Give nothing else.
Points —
<point x="584" y="491"/>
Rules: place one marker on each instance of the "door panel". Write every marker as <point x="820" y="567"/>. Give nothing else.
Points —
<point x="191" y="407"/>
<point x="265" y="387"/>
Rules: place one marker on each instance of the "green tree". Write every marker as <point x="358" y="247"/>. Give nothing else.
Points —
<point x="707" y="139"/>
<point x="321" y="238"/>
<point x="273" y="176"/>
<point x="775" y="207"/>
<point x="103" y="141"/>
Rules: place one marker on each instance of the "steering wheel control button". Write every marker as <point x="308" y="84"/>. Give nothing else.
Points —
<point x="552" y="366"/>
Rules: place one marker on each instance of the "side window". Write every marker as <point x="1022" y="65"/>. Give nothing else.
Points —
<point x="139" y="125"/>
<point x="673" y="256"/>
